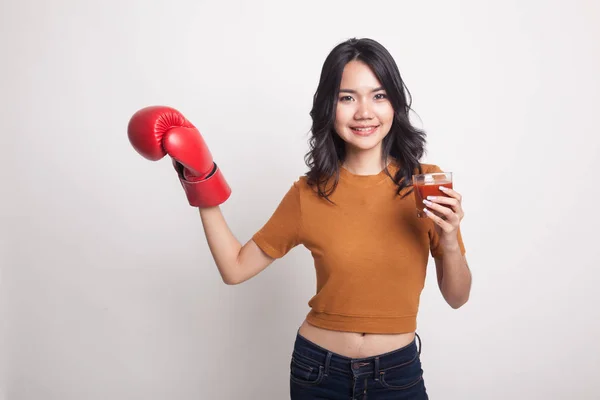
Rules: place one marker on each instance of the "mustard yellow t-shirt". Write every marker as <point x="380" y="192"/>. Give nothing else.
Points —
<point x="370" y="250"/>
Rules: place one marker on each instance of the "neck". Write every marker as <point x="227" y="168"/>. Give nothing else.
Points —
<point x="363" y="162"/>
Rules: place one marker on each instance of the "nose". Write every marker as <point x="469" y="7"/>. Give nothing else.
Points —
<point x="363" y="110"/>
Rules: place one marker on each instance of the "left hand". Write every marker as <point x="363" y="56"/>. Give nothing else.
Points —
<point x="446" y="213"/>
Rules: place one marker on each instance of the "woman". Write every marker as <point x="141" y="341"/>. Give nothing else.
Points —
<point x="355" y="211"/>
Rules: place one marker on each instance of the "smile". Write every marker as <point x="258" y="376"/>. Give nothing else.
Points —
<point x="364" y="130"/>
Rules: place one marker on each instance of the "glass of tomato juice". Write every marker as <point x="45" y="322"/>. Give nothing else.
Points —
<point x="429" y="185"/>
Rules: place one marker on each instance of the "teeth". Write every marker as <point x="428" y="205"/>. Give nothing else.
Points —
<point x="363" y="129"/>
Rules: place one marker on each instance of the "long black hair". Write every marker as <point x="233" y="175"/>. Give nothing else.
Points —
<point x="404" y="143"/>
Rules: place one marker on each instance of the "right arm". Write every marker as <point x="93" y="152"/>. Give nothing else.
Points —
<point x="236" y="263"/>
<point x="156" y="131"/>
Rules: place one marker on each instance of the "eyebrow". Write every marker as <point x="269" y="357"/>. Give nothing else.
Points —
<point x="354" y="91"/>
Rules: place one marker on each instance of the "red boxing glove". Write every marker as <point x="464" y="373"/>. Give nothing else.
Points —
<point x="157" y="131"/>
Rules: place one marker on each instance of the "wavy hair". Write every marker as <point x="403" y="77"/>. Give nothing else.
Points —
<point x="404" y="143"/>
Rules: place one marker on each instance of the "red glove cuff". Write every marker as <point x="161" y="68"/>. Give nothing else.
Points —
<point x="208" y="192"/>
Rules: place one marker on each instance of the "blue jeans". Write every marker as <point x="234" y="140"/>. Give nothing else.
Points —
<point x="316" y="373"/>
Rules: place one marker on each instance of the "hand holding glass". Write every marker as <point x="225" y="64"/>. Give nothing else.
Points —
<point x="429" y="185"/>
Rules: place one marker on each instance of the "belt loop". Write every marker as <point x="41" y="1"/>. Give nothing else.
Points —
<point x="419" y="340"/>
<point x="377" y="369"/>
<point x="327" y="361"/>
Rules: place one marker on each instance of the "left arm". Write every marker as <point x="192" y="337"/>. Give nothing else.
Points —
<point x="454" y="278"/>
<point x="453" y="274"/>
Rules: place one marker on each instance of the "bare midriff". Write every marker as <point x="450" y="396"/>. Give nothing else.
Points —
<point x="355" y="344"/>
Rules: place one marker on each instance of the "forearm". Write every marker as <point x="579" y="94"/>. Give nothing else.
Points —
<point x="224" y="247"/>
<point x="456" y="277"/>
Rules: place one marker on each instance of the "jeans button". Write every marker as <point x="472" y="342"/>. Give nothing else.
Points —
<point x="355" y="365"/>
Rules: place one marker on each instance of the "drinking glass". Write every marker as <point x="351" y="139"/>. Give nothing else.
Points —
<point x="429" y="185"/>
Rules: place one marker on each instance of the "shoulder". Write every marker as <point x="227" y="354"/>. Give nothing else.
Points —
<point x="298" y="186"/>
<point x="301" y="184"/>
<point x="426" y="168"/>
<point x="430" y="168"/>
<point x="302" y="181"/>
<point x="305" y="189"/>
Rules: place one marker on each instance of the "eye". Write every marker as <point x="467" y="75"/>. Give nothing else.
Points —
<point x="346" y="98"/>
<point x="380" y="96"/>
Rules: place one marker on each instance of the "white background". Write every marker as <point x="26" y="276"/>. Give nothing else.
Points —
<point x="108" y="289"/>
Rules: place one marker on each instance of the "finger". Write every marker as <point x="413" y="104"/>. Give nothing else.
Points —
<point x="451" y="192"/>
<point x="446" y="226"/>
<point x="446" y="212"/>
<point x="454" y="204"/>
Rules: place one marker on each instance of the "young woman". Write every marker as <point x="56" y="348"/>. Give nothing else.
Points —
<point x="354" y="210"/>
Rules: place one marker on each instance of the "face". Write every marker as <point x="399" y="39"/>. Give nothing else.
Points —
<point x="363" y="113"/>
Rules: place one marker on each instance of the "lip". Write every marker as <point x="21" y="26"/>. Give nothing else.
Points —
<point x="364" y="131"/>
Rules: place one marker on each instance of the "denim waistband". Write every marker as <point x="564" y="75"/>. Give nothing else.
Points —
<point x="356" y="366"/>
